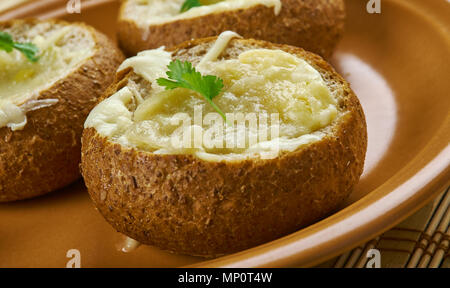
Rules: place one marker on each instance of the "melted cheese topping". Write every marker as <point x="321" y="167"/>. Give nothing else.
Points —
<point x="259" y="82"/>
<point x="150" y="12"/>
<point x="15" y="118"/>
<point x="21" y="80"/>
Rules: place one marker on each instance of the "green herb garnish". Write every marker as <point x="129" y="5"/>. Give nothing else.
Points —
<point x="184" y="75"/>
<point x="28" y="49"/>
<point x="189" y="4"/>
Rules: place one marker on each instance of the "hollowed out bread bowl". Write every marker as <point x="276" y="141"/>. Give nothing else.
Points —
<point x="194" y="203"/>
<point x="44" y="104"/>
<point x="315" y="25"/>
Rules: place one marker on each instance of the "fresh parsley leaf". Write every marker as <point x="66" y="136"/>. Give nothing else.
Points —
<point x="184" y="75"/>
<point x="6" y="42"/>
<point x="28" y="49"/>
<point x="189" y="4"/>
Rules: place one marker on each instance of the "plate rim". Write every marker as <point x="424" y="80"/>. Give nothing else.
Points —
<point x="434" y="177"/>
<point x="410" y="195"/>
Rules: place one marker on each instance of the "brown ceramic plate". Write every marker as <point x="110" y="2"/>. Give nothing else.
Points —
<point x="397" y="63"/>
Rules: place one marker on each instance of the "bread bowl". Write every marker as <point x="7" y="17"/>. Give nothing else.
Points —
<point x="315" y="25"/>
<point x="43" y="104"/>
<point x="205" y="201"/>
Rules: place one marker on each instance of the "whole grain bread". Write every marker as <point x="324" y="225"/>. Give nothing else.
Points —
<point x="45" y="155"/>
<point x="315" y="25"/>
<point x="187" y="205"/>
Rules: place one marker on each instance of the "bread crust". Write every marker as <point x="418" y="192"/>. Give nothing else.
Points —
<point x="45" y="155"/>
<point x="190" y="206"/>
<point x="315" y="25"/>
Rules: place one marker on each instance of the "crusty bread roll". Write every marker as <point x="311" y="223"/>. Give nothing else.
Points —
<point x="315" y="25"/>
<point x="43" y="105"/>
<point x="192" y="204"/>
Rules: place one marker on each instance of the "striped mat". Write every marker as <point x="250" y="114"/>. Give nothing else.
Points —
<point x="421" y="241"/>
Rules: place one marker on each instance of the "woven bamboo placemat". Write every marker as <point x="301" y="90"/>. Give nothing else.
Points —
<point x="423" y="240"/>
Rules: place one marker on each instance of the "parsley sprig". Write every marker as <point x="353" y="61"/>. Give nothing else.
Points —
<point x="184" y="75"/>
<point x="189" y="4"/>
<point x="28" y="49"/>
